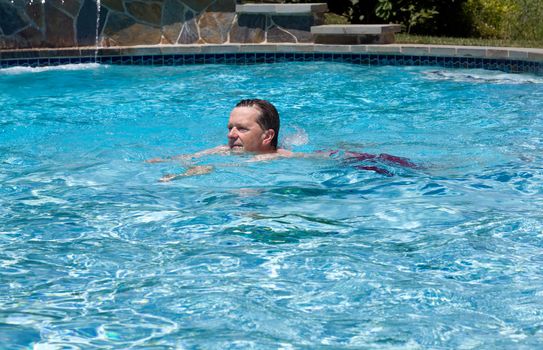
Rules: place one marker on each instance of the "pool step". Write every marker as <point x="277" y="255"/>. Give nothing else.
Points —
<point x="276" y="23"/>
<point x="283" y="9"/>
<point x="303" y="23"/>
<point x="353" y="34"/>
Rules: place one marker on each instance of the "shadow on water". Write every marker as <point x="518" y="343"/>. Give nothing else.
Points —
<point x="270" y="235"/>
<point x="18" y="336"/>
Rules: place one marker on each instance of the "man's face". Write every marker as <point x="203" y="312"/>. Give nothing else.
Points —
<point x="244" y="133"/>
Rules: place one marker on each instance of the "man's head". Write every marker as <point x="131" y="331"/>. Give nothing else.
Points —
<point x="253" y="126"/>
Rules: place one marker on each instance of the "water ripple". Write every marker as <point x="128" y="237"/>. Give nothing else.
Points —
<point x="293" y="253"/>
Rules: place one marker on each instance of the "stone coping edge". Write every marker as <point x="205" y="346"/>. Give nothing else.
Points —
<point x="282" y="9"/>
<point x="356" y="29"/>
<point x="506" y="53"/>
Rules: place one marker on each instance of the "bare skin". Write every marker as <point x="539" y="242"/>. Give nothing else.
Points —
<point x="192" y="171"/>
<point x="245" y="135"/>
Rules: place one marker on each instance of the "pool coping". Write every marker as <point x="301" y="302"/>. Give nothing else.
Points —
<point x="467" y="56"/>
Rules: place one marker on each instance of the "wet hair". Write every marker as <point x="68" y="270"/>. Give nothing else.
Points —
<point x="269" y="117"/>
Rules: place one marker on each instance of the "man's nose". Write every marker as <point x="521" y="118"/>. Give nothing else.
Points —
<point x="233" y="133"/>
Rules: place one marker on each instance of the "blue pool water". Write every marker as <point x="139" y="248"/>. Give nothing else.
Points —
<point x="286" y="254"/>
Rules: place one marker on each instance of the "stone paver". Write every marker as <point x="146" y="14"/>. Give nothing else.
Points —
<point x="283" y="9"/>
<point x="356" y="29"/>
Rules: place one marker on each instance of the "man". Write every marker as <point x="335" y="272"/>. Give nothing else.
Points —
<point x="253" y="127"/>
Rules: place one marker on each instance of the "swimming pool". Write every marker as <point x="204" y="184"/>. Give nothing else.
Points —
<point x="293" y="253"/>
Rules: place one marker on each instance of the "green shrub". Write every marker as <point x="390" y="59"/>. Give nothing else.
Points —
<point x="410" y="13"/>
<point x="333" y="18"/>
<point x="490" y="17"/>
<point x="429" y="17"/>
<point x="528" y="20"/>
<point x="506" y="19"/>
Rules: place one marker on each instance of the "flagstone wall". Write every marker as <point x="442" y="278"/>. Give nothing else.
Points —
<point x="76" y="23"/>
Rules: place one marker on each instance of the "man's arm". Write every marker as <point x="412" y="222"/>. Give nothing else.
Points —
<point x="192" y="171"/>
<point x="187" y="157"/>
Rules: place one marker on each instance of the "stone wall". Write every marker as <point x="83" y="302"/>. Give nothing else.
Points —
<point x="76" y="23"/>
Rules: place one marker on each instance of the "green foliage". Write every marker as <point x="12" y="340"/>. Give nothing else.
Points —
<point x="333" y="18"/>
<point x="416" y="16"/>
<point x="410" y="13"/>
<point x="499" y="19"/>
<point x="528" y="23"/>
<point x="403" y="38"/>
<point x="490" y="17"/>
<point x="506" y="19"/>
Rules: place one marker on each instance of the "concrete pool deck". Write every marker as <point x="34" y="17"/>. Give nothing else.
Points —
<point x="501" y="58"/>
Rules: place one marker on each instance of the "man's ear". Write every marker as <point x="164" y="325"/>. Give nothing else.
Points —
<point x="268" y="136"/>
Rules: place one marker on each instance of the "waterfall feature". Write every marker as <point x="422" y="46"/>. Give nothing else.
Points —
<point x="97" y="42"/>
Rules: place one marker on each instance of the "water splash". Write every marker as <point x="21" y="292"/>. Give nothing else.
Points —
<point x="97" y="40"/>
<point x="296" y="137"/>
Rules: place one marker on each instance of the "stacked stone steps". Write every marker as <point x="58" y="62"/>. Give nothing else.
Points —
<point x="355" y="34"/>
<point x="283" y="9"/>
<point x="278" y="23"/>
<point x="303" y="23"/>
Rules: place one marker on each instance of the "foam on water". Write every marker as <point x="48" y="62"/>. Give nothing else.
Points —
<point x="482" y="76"/>
<point x="64" y="67"/>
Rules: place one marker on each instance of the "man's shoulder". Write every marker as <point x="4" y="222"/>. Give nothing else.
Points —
<point x="285" y="153"/>
<point x="279" y="153"/>
<point x="222" y="149"/>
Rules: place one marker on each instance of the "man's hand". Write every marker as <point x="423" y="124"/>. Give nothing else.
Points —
<point x="169" y="177"/>
<point x="192" y="171"/>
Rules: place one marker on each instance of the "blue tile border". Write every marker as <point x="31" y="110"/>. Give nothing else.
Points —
<point x="505" y="65"/>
